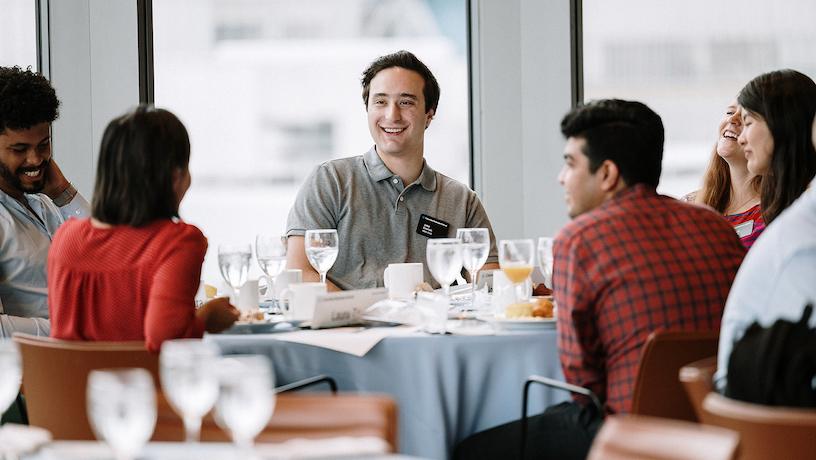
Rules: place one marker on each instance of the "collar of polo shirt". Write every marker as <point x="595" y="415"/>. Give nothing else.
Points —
<point x="379" y="171"/>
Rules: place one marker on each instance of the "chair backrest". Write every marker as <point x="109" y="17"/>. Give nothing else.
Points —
<point x="657" y="390"/>
<point x="305" y="415"/>
<point x="55" y="373"/>
<point x="697" y="379"/>
<point x="640" y="437"/>
<point x="766" y="431"/>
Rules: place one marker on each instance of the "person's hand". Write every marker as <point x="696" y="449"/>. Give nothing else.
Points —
<point x="55" y="181"/>
<point x="218" y="314"/>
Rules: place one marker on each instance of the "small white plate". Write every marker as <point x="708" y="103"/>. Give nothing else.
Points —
<point x="520" y="324"/>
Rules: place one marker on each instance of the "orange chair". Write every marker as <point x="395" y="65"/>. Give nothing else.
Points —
<point x="697" y="380"/>
<point x="640" y="437"/>
<point x="55" y="374"/>
<point x="766" y="431"/>
<point x="657" y="391"/>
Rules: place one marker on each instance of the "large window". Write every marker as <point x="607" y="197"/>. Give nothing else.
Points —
<point x="268" y="89"/>
<point x="687" y="60"/>
<point x="18" y="33"/>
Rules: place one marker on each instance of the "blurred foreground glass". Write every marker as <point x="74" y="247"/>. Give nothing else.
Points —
<point x="189" y="381"/>
<point x="10" y="373"/>
<point x="321" y="250"/>
<point x="545" y="259"/>
<point x="475" y="248"/>
<point x="233" y="261"/>
<point x="122" y="409"/>
<point x="270" y="251"/>
<point x="444" y="258"/>
<point x="246" y="397"/>
<point x="516" y="261"/>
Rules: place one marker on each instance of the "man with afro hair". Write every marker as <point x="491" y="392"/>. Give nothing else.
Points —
<point x="35" y="199"/>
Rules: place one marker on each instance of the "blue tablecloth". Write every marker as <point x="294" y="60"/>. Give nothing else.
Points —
<point x="447" y="387"/>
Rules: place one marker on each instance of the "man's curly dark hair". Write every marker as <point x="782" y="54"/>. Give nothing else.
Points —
<point x="26" y="99"/>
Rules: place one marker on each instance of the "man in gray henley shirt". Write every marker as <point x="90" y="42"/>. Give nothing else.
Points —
<point x="386" y="203"/>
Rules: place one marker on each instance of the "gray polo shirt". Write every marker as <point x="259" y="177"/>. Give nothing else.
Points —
<point x="376" y="215"/>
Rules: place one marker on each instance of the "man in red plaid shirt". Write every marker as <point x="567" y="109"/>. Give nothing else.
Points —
<point x="631" y="262"/>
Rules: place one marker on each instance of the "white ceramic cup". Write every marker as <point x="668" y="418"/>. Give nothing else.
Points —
<point x="248" y="298"/>
<point x="287" y="278"/>
<point x="302" y="298"/>
<point x="402" y="279"/>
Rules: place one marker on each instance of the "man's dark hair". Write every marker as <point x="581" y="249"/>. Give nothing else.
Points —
<point x="628" y="133"/>
<point x="26" y="99"/>
<point x="405" y="60"/>
<point x="134" y="179"/>
<point x="786" y="100"/>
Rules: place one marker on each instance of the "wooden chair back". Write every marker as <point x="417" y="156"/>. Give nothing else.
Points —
<point x="697" y="380"/>
<point x="640" y="437"/>
<point x="55" y="374"/>
<point x="766" y="431"/>
<point x="658" y="392"/>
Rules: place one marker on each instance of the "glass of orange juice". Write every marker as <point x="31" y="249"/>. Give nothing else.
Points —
<point x="516" y="261"/>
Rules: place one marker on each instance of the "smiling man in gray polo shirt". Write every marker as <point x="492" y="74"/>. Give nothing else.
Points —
<point x="386" y="203"/>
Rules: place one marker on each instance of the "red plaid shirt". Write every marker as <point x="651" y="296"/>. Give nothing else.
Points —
<point x="640" y="262"/>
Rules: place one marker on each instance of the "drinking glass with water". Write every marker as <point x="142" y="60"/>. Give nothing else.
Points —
<point x="321" y="250"/>
<point x="233" y="261"/>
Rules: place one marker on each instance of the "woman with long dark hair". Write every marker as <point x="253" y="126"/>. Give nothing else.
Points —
<point x="131" y="271"/>
<point x="728" y="186"/>
<point x="777" y="111"/>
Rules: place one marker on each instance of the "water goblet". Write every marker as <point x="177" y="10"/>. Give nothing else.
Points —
<point x="122" y="408"/>
<point x="233" y="261"/>
<point x="321" y="250"/>
<point x="444" y="258"/>
<point x="10" y="373"/>
<point x="188" y="380"/>
<point x="516" y="261"/>
<point x="270" y="252"/>
<point x="475" y="248"/>
<point x="545" y="259"/>
<point x="246" y="397"/>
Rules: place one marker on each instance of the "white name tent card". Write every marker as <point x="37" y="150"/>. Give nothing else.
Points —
<point x="344" y="308"/>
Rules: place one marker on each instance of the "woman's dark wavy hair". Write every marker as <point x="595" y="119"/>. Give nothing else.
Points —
<point x="786" y="100"/>
<point x="26" y="99"/>
<point x="134" y="179"/>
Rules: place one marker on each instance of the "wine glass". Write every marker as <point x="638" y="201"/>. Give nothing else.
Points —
<point x="321" y="250"/>
<point x="444" y="257"/>
<point x="516" y="261"/>
<point x="270" y="251"/>
<point x="475" y="247"/>
<point x="246" y="398"/>
<point x="10" y="373"/>
<point x="545" y="259"/>
<point x="188" y="380"/>
<point x="122" y="408"/>
<point x="233" y="261"/>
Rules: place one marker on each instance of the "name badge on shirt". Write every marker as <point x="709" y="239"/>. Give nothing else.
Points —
<point x="744" y="229"/>
<point x="432" y="227"/>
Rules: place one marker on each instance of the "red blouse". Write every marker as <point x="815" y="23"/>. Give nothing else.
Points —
<point x="125" y="283"/>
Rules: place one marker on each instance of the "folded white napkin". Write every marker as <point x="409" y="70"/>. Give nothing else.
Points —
<point x="16" y="440"/>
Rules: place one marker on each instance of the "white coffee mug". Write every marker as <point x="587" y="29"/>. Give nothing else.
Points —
<point x="402" y="279"/>
<point x="287" y="278"/>
<point x="248" y="299"/>
<point x="302" y="298"/>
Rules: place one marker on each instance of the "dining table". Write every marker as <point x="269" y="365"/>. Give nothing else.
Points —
<point x="447" y="386"/>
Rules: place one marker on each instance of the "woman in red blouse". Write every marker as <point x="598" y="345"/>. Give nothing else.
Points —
<point x="728" y="186"/>
<point x="131" y="271"/>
